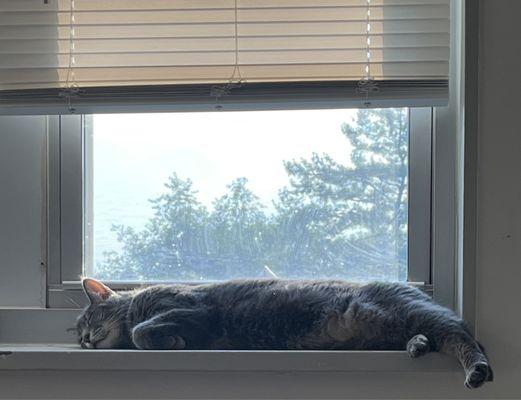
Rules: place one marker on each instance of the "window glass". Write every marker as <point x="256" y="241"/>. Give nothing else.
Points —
<point x="221" y="195"/>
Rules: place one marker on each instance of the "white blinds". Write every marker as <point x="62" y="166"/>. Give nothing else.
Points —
<point x="100" y="43"/>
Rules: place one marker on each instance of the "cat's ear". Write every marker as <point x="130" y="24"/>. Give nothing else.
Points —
<point x="96" y="291"/>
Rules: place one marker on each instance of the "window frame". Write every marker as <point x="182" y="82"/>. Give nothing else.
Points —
<point x="70" y="138"/>
<point x="453" y="221"/>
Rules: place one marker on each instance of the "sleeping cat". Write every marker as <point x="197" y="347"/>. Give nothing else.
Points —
<point x="281" y="315"/>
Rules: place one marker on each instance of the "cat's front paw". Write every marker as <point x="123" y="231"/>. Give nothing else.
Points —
<point x="149" y="339"/>
<point x="160" y="343"/>
<point x="478" y="374"/>
<point x="418" y="346"/>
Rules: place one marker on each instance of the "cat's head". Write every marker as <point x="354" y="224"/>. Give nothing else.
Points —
<point x="101" y="325"/>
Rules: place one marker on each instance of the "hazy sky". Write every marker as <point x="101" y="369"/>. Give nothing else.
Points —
<point x="135" y="153"/>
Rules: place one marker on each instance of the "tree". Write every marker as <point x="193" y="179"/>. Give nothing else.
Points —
<point x="361" y="210"/>
<point x="170" y="244"/>
<point x="335" y="218"/>
<point x="238" y="226"/>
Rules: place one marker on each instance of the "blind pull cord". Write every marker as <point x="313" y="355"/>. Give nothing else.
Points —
<point x="71" y="90"/>
<point x="367" y="84"/>
<point x="236" y="80"/>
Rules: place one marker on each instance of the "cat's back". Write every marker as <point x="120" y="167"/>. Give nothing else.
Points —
<point x="277" y="292"/>
<point x="388" y="293"/>
<point x="272" y="313"/>
<point x="273" y="296"/>
<point x="273" y="293"/>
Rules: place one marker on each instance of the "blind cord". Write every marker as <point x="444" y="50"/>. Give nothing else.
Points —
<point x="236" y="68"/>
<point x="236" y="80"/>
<point x="367" y="84"/>
<point x="71" y="89"/>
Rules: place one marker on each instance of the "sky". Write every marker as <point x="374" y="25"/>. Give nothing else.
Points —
<point x="134" y="154"/>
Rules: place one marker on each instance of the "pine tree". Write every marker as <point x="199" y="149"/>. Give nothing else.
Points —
<point x="356" y="216"/>
<point x="238" y="225"/>
<point x="170" y="245"/>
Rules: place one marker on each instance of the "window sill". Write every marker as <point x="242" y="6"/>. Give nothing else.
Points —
<point x="71" y="357"/>
<point x="50" y="347"/>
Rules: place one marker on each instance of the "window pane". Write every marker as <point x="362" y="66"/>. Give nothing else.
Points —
<point x="213" y="196"/>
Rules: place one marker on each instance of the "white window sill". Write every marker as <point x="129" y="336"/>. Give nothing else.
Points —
<point x="36" y="349"/>
<point x="71" y="357"/>
<point x="37" y="339"/>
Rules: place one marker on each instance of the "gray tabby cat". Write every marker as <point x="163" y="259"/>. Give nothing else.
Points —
<point x="278" y="314"/>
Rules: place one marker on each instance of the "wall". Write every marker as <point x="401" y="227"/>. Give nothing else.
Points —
<point x="22" y="146"/>
<point x="498" y="270"/>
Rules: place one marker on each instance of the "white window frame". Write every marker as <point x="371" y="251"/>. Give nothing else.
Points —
<point x="340" y="375"/>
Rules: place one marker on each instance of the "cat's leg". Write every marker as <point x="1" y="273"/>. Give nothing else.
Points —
<point x="469" y="353"/>
<point x="447" y="334"/>
<point x="418" y="346"/>
<point x="154" y="336"/>
<point x="173" y="330"/>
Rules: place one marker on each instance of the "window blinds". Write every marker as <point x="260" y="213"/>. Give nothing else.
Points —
<point x="96" y="50"/>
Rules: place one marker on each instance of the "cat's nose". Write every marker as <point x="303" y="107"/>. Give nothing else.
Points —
<point x="86" y="345"/>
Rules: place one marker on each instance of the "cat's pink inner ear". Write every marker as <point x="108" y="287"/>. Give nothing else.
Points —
<point x="96" y="290"/>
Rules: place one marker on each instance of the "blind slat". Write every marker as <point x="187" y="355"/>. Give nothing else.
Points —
<point x="209" y="58"/>
<point x="188" y="16"/>
<point x="296" y="28"/>
<point x="138" y="5"/>
<point x="173" y="74"/>
<point x="115" y="46"/>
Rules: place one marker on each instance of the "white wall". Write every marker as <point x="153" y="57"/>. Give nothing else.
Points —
<point x="498" y="269"/>
<point x="499" y="191"/>
<point x="22" y="146"/>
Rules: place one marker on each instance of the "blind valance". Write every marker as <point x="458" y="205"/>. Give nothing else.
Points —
<point x="74" y="48"/>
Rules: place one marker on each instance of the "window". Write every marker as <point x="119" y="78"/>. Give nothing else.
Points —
<point x="296" y="194"/>
<point x="409" y="61"/>
<point x="363" y="215"/>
